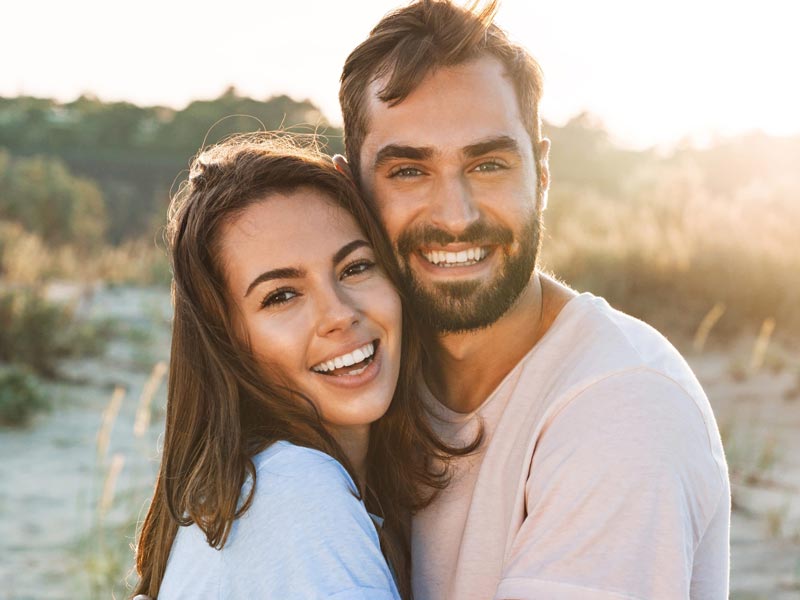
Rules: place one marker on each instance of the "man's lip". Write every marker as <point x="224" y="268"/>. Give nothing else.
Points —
<point x="454" y="270"/>
<point x="455" y="247"/>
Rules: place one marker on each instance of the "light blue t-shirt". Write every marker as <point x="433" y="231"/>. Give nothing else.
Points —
<point x="306" y="535"/>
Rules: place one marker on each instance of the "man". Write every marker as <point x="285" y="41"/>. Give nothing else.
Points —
<point x="601" y="474"/>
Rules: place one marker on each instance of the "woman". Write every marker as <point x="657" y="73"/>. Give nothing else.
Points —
<point x="291" y="404"/>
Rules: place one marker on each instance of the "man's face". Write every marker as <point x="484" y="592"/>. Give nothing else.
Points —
<point x="452" y="171"/>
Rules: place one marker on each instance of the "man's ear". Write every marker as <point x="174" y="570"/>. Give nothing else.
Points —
<point x="341" y="164"/>
<point x="544" y="169"/>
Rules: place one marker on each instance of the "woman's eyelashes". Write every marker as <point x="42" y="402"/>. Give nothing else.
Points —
<point x="357" y="267"/>
<point x="278" y="297"/>
<point x="283" y="295"/>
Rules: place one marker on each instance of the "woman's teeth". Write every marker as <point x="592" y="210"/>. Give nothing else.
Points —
<point x="456" y="259"/>
<point x="365" y="353"/>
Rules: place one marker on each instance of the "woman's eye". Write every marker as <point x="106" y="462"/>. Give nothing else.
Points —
<point x="358" y="267"/>
<point x="277" y="298"/>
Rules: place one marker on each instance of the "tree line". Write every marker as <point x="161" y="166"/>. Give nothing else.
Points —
<point x="128" y="155"/>
<point x="690" y="227"/>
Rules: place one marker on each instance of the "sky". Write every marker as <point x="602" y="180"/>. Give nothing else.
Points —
<point x="653" y="72"/>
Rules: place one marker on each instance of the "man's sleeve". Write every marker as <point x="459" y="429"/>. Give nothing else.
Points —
<point x="624" y="484"/>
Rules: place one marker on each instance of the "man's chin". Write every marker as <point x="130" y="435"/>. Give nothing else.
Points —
<point x="468" y="303"/>
<point x="458" y="307"/>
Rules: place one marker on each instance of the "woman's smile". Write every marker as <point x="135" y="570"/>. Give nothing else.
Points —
<point x="316" y="309"/>
<point x="358" y="359"/>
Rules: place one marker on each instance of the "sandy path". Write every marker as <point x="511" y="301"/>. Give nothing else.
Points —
<point x="759" y="415"/>
<point x="52" y="478"/>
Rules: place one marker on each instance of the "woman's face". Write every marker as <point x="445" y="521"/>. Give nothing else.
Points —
<point x="318" y="312"/>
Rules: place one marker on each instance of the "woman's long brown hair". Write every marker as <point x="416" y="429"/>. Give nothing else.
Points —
<point x="221" y="410"/>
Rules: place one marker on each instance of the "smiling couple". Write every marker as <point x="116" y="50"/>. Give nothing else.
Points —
<point x="374" y="393"/>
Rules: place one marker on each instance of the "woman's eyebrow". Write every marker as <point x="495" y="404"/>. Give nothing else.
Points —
<point x="294" y="273"/>
<point x="347" y="249"/>
<point x="285" y="273"/>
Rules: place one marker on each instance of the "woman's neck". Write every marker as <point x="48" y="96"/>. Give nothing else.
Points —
<point x="354" y="442"/>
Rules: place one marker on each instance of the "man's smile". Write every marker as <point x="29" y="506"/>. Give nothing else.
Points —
<point x="459" y="258"/>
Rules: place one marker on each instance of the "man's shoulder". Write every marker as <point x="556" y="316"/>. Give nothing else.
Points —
<point x="599" y="358"/>
<point x="590" y="339"/>
<point x="610" y="388"/>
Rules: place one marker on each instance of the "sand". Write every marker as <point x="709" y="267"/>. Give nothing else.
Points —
<point x="51" y="539"/>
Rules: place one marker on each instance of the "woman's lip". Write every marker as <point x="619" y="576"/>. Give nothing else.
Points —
<point x="355" y="381"/>
<point x="352" y="349"/>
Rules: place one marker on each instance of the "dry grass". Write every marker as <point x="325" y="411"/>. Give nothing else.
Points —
<point x="106" y="554"/>
<point x="25" y="259"/>
<point x="667" y="246"/>
<point x="706" y="325"/>
<point x="143" y="412"/>
<point x="110" y="415"/>
<point x="670" y="249"/>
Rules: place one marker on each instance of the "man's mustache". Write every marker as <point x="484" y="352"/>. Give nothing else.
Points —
<point x="479" y="233"/>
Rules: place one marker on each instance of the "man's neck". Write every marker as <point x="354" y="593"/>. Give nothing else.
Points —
<point x="467" y="367"/>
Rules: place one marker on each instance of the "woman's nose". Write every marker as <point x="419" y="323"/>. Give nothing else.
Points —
<point x="337" y="312"/>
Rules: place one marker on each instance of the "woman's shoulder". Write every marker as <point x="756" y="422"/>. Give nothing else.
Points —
<point x="285" y="471"/>
<point x="305" y="518"/>
<point x="302" y="496"/>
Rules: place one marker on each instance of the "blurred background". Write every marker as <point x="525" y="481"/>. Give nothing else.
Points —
<point x="675" y="194"/>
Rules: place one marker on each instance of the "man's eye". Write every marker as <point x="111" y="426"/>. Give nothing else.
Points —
<point x="489" y="166"/>
<point x="357" y="267"/>
<point x="278" y="297"/>
<point x="406" y="172"/>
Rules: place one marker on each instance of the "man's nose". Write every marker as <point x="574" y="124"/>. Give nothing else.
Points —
<point x="453" y="207"/>
<point x="336" y="311"/>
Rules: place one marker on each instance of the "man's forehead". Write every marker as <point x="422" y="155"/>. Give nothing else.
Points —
<point x="452" y="106"/>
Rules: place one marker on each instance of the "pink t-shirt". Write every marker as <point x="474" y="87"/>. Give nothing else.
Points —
<point x="602" y="476"/>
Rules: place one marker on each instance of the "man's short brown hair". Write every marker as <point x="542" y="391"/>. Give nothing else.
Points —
<point x="413" y="41"/>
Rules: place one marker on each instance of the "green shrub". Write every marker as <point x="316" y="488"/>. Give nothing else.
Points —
<point x="38" y="333"/>
<point x="20" y="396"/>
<point x="43" y="196"/>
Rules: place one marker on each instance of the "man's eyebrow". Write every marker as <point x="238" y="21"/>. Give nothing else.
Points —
<point x="501" y="143"/>
<point x="347" y="249"/>
<point x="394" y="151"/>
<point x="285" y="273"/>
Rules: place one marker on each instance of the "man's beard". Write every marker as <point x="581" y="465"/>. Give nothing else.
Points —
<point x="470" y="305"/>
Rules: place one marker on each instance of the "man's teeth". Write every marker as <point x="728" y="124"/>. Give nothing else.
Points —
<point x="345" y="360"/>
<point x="456" y="259"/>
